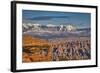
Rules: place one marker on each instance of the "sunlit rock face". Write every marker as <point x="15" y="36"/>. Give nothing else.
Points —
<point x="70" y="28"/>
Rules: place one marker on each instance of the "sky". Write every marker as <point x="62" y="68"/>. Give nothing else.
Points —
<point x="57" y="18"/>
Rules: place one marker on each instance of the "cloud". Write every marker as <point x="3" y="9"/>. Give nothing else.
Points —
<point x="47" y="17"/>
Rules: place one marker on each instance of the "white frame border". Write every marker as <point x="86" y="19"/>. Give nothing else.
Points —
<point x="21" y="65"/>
